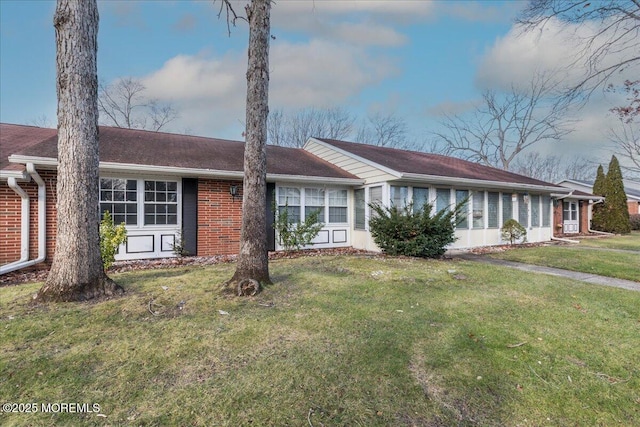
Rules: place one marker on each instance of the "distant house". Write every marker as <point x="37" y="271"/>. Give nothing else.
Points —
<point x="631" y="189"/>
<point x="162" y="185"/>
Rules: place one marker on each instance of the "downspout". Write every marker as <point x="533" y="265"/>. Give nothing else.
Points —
<point x="42" y="223"/>
<point x="24" y="225"/>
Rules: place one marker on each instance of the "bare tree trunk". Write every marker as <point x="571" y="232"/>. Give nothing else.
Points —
<point x="77" y="273"/>
<point x="253" y="261"/>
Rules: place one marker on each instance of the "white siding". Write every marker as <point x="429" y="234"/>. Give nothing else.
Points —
<point x="360" y="169"/>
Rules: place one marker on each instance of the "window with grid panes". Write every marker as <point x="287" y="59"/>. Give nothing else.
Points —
<point x="120" y="198"/>
<point x="420" y="197"/>
<point x="337" y="206"/>
<point x="493" y="202"/>
<point x="314" y="202"/>
<point x="289" y="198"/>
<point x="523" y="210"/>
<point x="507" y="207"/>
<point x="478" y="209"/>
<point x="463" y="218"/>
<point x="160" y="202"/>
<point x="546" y="211"/>
<point x="535" y="210"/>
<point x="359" y="209"/>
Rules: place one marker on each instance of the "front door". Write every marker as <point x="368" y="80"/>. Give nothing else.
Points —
<point x="570" y="217"/>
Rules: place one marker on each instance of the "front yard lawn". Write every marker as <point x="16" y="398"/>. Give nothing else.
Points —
<point x="629" y="242"/>
<point x="337" y="341"/>
<point x="621" y="265"/>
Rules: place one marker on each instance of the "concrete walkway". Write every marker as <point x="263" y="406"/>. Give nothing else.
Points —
<point x="583" y="277"/>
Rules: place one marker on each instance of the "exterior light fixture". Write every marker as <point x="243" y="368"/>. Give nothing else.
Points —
<point x="233" y="190"/>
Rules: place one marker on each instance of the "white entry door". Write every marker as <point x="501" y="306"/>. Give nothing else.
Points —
<point x="570" y="217"/>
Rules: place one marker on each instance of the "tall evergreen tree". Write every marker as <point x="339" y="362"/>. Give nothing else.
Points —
<point x="599" y="189"/>
<point x="616" y="218"/>
<point x="599" y="186"/>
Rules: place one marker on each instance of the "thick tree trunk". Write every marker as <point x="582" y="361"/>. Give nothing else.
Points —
<point x="77" y="273"/>
<point x="253" y="261"/>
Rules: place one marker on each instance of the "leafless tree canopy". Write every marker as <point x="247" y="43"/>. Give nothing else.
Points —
<point x="124" y="104"/>
<point x="384" y="131"/>
<point x="552" y="168"/>
<point x="626" y="138"/>
<point x="293" y="130"/>
<point x="505" y="124"/>
<point x="613" y="47"/>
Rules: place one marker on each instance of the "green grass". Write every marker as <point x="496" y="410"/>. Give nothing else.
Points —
<point x="620" y="265"/>
<point x="337" y="341"/>
<point x="629" y="242"/>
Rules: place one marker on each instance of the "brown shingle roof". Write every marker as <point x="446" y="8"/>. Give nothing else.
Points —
<point x="127" y="146"/>
<point x="415" y="162"/>
<point x="14" y="138"/>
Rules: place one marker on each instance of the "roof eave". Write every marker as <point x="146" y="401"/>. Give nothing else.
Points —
<point x="19" y="175"/>
<point x="113" y="167"/>
<point x="446" y="180"/>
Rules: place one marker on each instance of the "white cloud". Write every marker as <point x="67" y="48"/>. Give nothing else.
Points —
<point x="210" y="92"/>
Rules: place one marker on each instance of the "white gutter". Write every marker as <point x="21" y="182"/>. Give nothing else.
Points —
<point x="444" y="180"/>
<point x="112" y="167"/>
<point x="24" y="224"/>
<point x="42" y="224"/>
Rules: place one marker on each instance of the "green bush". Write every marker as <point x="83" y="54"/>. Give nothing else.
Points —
<point x="111" y="237"/>
<point x="512" y="231"/>
<point x="295" y="235"/>
<point x="401" y="231"/>
<point x="634" y="220"/>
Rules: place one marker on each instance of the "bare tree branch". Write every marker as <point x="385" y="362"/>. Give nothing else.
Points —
<point x="506" y="124"/>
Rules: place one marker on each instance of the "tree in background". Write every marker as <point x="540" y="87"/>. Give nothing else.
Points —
<point x="506" y="124"/>
<point x="599" y="189"/>
<point x="613" y="217"/>
<point x="252" y="269"/>
<point x="77" y="272"/>
<point x="608" y="47"/>
<point x="123" y="104"/>
<point x="552" y="168"/>
<point x="294" y="129"/>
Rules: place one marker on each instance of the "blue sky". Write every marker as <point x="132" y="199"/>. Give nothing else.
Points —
<point x="409" y="58"/>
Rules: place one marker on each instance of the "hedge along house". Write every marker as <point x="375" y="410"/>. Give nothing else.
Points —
<point x="167" y="186"/>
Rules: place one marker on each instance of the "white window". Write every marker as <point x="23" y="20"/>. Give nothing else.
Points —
<point x="443" y="199"/>
<point x="507" y="207"/>
<point x="337" y="206"/>
<point x="493" y="200"/>
<point x="399" y="196"/>
<point x="478" y="209"/>
<point x="523" y="210"/>
<point x="535" y="210"/>
<point x="160" y="202"/>
<point x="359" y="209"/>
<point x="314" y="202"/>
<point x="420" y="198"/>
<point x="289" y="199"/>
<point x="463" y="219"/>
<point x="546" y="211"/>
<point x="120" y="198"/>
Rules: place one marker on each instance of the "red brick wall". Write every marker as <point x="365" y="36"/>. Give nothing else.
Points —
<point x="583" y="214"/>
<point x="10" y="220"/>
<point x="219" y="218"/>
<point x="634" y="207"/>
<point x="557" y="218"/>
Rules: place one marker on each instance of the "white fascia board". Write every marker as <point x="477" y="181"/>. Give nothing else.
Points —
<point x="478" y="183"/>
<point x="111" y="167"/>
<point x="355" y="157"/>
<point x="314" y="179"/>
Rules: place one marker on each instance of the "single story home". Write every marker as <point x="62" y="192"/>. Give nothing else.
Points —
<point x="631" y="189"/>
<point x="166" y="186"/>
